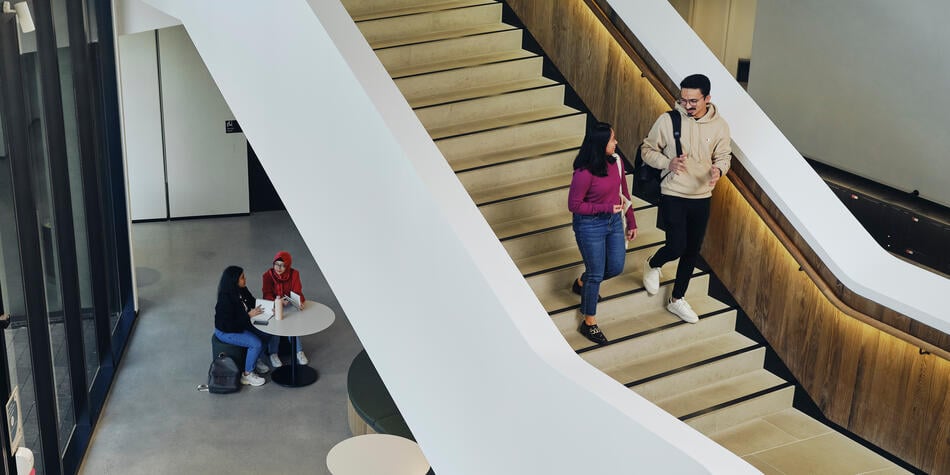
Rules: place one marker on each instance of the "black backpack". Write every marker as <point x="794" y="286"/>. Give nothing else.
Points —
<point x="646" y="179"/>
<point x="224" y="376"/>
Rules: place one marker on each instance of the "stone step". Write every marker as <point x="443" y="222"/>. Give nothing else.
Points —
<point x="776" y="442"/>
<point x="361" y="10"/>
<point x="554" y="288"/>
<point x="431" y="26"/>
<point x="541" y="210"/>
<point x="520" y="177"/>
<point x="453" y="53"/>
<point x="744" y="411"/>
<point x="493" y="112"/>
<point x="720" y="393"/>
<point x="633" y="315"/>
<point x="669" y="348"/>
<point x="505" y="144"/>
<point x="557" y="247"/>
<point x="685" y="381"/>
<point x="476" y="81"/>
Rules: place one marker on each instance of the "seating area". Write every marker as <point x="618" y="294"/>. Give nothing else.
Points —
<point x="370" y="408"/>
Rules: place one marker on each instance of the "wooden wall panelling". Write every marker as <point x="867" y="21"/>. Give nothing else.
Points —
<point x="601" y="72"/>
<point x="859" y="304"/>
<point x="863" y="379"/>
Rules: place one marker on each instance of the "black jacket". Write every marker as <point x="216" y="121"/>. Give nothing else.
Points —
<point x="230" y="313"/>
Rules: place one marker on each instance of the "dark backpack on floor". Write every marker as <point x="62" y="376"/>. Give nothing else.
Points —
<point x="646" y="179"/>
<point x="224" y="376"/>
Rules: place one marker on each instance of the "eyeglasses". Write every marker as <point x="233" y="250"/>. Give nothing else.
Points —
<point x="692" y="102"/>
<point x="279" y="264"/>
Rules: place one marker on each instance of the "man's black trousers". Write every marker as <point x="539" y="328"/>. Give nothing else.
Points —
<point x="684" y="220"/>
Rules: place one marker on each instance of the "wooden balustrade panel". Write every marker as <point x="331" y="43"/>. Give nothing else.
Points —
<point x="865" y="380"/>
<point x="868" y="307"/>
<point x="595" y="65"/>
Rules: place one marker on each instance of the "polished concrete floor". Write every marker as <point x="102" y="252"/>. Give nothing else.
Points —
<point x="155" y="422"/>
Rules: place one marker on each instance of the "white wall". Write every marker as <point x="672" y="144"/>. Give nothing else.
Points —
<point x="206" y="167"/>
<point x="136" y="16"/>
<point x="142" y="117"/>
<point x="860" y="85"/>
<point x="174" y="119"/>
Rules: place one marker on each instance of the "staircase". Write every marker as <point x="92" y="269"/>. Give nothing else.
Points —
<point x="505" y="130"/>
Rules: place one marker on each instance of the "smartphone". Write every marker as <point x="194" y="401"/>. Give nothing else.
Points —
<point x="259" y="323"/>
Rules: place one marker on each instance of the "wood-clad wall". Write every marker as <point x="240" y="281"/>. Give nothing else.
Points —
<point x="870" y="308"/>
<point x="596" y="66"/>
<point x="869" y="382"/>
<point x="865" y="380"/>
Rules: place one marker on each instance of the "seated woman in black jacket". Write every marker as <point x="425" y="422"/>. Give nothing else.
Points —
<point x="232" y="322"/>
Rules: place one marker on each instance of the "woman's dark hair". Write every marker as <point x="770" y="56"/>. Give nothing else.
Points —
<point x="593" y="153"/>
<point x="229" y="281"/>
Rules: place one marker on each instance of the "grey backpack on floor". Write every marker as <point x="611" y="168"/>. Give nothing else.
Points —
<point x="224" y="376"/>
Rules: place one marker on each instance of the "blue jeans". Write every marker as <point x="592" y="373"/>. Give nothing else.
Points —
<point x="247" y="339"/>
<point x="601" y="242"/>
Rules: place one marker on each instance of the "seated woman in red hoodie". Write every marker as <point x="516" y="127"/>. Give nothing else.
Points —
<point x="278" y="282"/>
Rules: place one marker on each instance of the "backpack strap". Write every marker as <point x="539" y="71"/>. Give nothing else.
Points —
<point x="677" y="121"/>
<point x="676" y="118"/>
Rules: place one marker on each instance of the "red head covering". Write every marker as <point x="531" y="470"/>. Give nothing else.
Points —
<point x="283" y="256"/>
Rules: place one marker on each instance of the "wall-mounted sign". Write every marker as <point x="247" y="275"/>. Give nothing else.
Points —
<point x="14" y="422"/>
<point x="232" y="127"/>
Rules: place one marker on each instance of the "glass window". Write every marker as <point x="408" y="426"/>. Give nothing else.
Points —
<point x="74" y="160"/>
<point x="19" y="368"/>
<point x="48" y="239"/>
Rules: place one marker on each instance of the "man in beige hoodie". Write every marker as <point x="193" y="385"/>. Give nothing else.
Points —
<point x="687" y="184"/>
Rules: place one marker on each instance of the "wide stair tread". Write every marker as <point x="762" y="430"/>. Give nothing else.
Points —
<point x="485" y="80"/>
<point x="791" y="442"/>
<point x="458" y="63"/>
<point x="433" y="26"/>
<point x="554" y="288"/>
<point x="524" y="188"/>
<point x="552" y="249"/>
<point x="631" y="370"/>
<point x="502" y="121"/>
<point x="513" y="142"/>
<point x="561" y="144"/>
<point x="630" y="323"/>
<point x="358" y="13"/>
<point x="722" y="392"/>
<point x="441" y="35"/>
<point x="530" y="209"/>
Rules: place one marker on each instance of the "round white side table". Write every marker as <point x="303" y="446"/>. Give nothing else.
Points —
<point x="375" y="454"/>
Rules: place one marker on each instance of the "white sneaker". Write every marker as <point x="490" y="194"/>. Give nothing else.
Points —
<point x="275" y="361"/>
<point x="260" y="367"/>
<point x="252" y="379"/>
<point x="682" y="309"/>
<point x="302" y="358"/>
<point x="651" y="278"/>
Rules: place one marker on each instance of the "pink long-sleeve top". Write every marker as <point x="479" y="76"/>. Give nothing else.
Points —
<point x="591" y="194"/>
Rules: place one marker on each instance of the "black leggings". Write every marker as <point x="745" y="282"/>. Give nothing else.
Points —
<point x="685" y="222"/>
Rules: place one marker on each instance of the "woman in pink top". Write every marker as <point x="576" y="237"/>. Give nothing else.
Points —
<point x="595" y="199"/>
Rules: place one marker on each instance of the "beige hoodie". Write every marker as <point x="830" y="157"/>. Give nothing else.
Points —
<point x="706" y="143"/>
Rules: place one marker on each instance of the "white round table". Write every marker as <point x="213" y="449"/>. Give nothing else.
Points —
<point x="314" y="317"/>
<point x="375" y="454"/>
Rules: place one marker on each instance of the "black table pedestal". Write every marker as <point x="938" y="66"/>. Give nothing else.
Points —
<point x="294" y="375"/>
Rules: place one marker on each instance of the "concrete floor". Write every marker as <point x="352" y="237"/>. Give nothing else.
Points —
<point x="155" y="422"/>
